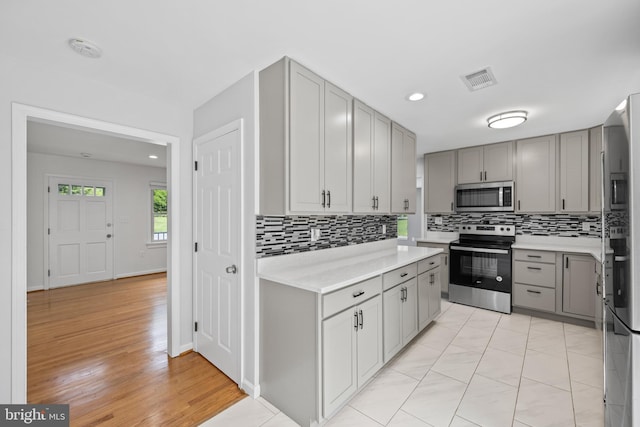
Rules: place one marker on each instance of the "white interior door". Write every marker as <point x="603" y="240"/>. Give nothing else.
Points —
<point x="217" y="269"/>
<point x="80" y="231"/>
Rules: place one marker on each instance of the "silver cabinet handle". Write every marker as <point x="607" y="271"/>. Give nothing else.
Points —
<point x="534" y="256"/>
<point x="533" y="292"/>
<point x="404" y="274"/>
<point x="232" y="269"/>
<point x="373" y="201"/>
<point x="355" y="320"/>
<point x="377" y="204"/>
<point x="534" y="268"/>
<point x="328" y="198"/>
<point x="323" y="198"/>
<point x="485" y="175"/>
<point x="361" y="320"/>
<point x="358" y="294"/>
<point x="451" y="206"/>
<point x="518" y="204"/>
<point x="445" y="259"/>
<point x="563" y="204"/>
<point x="480" y="175"/>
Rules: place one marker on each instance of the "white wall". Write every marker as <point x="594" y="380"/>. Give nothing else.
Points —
<point x="22" y="83"/>
<point x="240" y="102"/>
<point x="131" y="212"/>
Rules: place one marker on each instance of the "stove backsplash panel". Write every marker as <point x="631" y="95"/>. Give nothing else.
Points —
<point x="280" y="235"/>
<point x="526" y="224"/>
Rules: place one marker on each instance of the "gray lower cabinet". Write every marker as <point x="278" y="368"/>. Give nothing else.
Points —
<point x="428" y="290"/>
<point x="351" y="351"/>
<point x="444" y="264"/>
<point x="400" y="299"/>
<point x="534" y="280"/>
<point x="578" y="285"/>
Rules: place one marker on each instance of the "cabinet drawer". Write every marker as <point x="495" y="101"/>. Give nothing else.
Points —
<point x="536" y="256"/>
<point x="351" y="295"/>
<point x="535" y="273"/>
<point x="534" y="297"/>
<point x="399" y="275"/>
<point x="429" y="263"/>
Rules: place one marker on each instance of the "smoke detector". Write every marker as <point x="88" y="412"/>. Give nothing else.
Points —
<point x="479" y="79"/>
<point x="85" y="48"/>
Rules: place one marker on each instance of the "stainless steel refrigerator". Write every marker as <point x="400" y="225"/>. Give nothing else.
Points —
<point x="621" y="217"/>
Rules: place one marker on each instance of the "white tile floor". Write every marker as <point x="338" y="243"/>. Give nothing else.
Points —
<point x="471" y="367"/>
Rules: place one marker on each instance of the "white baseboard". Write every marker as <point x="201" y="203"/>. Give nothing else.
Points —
<point x="141" y="273"/>
<point x="250" y="389"/>
<point x="35" y="288"/>
<point x="185" y="347"/>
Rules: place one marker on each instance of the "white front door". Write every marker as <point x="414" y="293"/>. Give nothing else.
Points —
<point x="217" y="267"/>
<point x="80" y="231"/>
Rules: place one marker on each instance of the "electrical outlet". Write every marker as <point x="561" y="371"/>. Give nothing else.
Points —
<point x="315" y="234"/>
<point x="586" y="226"/>
<point x="384" y="229"/>
<point x="438" y="220"/>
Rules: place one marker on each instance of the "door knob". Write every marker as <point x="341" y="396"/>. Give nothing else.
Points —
<point x="231" y="269"/>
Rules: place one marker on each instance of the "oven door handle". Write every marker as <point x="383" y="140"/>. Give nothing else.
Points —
<point x="480" y="250"/>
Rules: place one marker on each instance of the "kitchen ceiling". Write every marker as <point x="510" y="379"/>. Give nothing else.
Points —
<point x="568" y="63"/>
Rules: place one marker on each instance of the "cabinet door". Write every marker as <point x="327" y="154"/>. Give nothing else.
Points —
<point x="595" y="169"/>
<point x="574" y="171"/>
<point x="369" y="339"/>
<point x="410" y="311"/>
<point x="363" y="158"/>
<point x="444" y="273"/>
<point x="579" y="284"/>
<point x="337" y="149"/>
<point x="470" y="165"/>
<point x="339" y="359"/>
<point x="440" y="182"/>
<point x="382" y="163"/>
<point x="306" y="146"/>
<point x="434" y="292"/>
<point x="403" y="170"/>
<point x="536" y="174"/>
<point x="392" y="321"/>
<point x="498" y="162"/>
<point x="424" y="288"/>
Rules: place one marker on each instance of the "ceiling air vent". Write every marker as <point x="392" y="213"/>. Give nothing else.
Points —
<point x="479" y="79"/>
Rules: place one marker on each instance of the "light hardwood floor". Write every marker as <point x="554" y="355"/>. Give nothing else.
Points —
<point x="101" y="348"/>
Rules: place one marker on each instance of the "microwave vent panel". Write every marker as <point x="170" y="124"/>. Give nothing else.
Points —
<point x="479" y="79"/>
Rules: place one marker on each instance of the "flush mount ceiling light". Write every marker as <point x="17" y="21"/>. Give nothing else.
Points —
<point x="85" y="155"/>
<point x="622" y="105"/>
<point x="153" y="156"/>
<point x="85" y="48"/>
<point x="507" y="120"/>
<point x="416" y="96"/>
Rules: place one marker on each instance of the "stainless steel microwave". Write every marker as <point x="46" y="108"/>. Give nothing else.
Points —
<point x="618" y="191"/>
<point x="485" y="197"/>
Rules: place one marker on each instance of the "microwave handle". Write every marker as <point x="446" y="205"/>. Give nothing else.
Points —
<point x="480" y="250"/>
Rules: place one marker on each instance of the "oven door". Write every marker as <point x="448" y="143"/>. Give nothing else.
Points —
<point x="484" y="268"/>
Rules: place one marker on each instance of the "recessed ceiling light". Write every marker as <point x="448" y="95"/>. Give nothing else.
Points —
<point x="507" y="120"/>
<point x="85" y="48"/>
<point x="153" y="156"/>
<point x="416" y="96"/>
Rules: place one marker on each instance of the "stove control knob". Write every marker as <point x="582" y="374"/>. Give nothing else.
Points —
<point x="501" y="228"/>
<point x="508" y="228"/>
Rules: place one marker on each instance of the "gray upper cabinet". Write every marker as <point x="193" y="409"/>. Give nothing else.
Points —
<point x="305" y="160"/>
<point x="440" y="181"/>
<point x="403" y="170"/>
<point x="595" y="169"/>
<point x="536" y="174"/>
<point x="371" y="160"/>
<point x="486" y="163"/>
<point x="574" y="171"/>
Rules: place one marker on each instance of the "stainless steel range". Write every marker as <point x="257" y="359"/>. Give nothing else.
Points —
<point x="480" y="271"/>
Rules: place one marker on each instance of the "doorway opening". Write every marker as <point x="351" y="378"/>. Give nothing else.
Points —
<point x="21" y="115"/>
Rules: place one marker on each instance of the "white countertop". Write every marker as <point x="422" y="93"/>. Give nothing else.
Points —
<point x="328" y="270"/>
<point x="579" y="245"/>
<point x="440" y="237"/>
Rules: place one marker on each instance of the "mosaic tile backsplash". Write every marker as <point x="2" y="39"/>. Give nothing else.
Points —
<point x="280" y="235"/>
<point x="526" y="224"/>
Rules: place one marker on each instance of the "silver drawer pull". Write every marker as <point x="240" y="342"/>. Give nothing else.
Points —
<point x="534" y="256"/>
<point x="357" y="294"/>
<point x="533" y="292"/>
<point x="404" y="274"/>
<point x="534" y="268"/>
